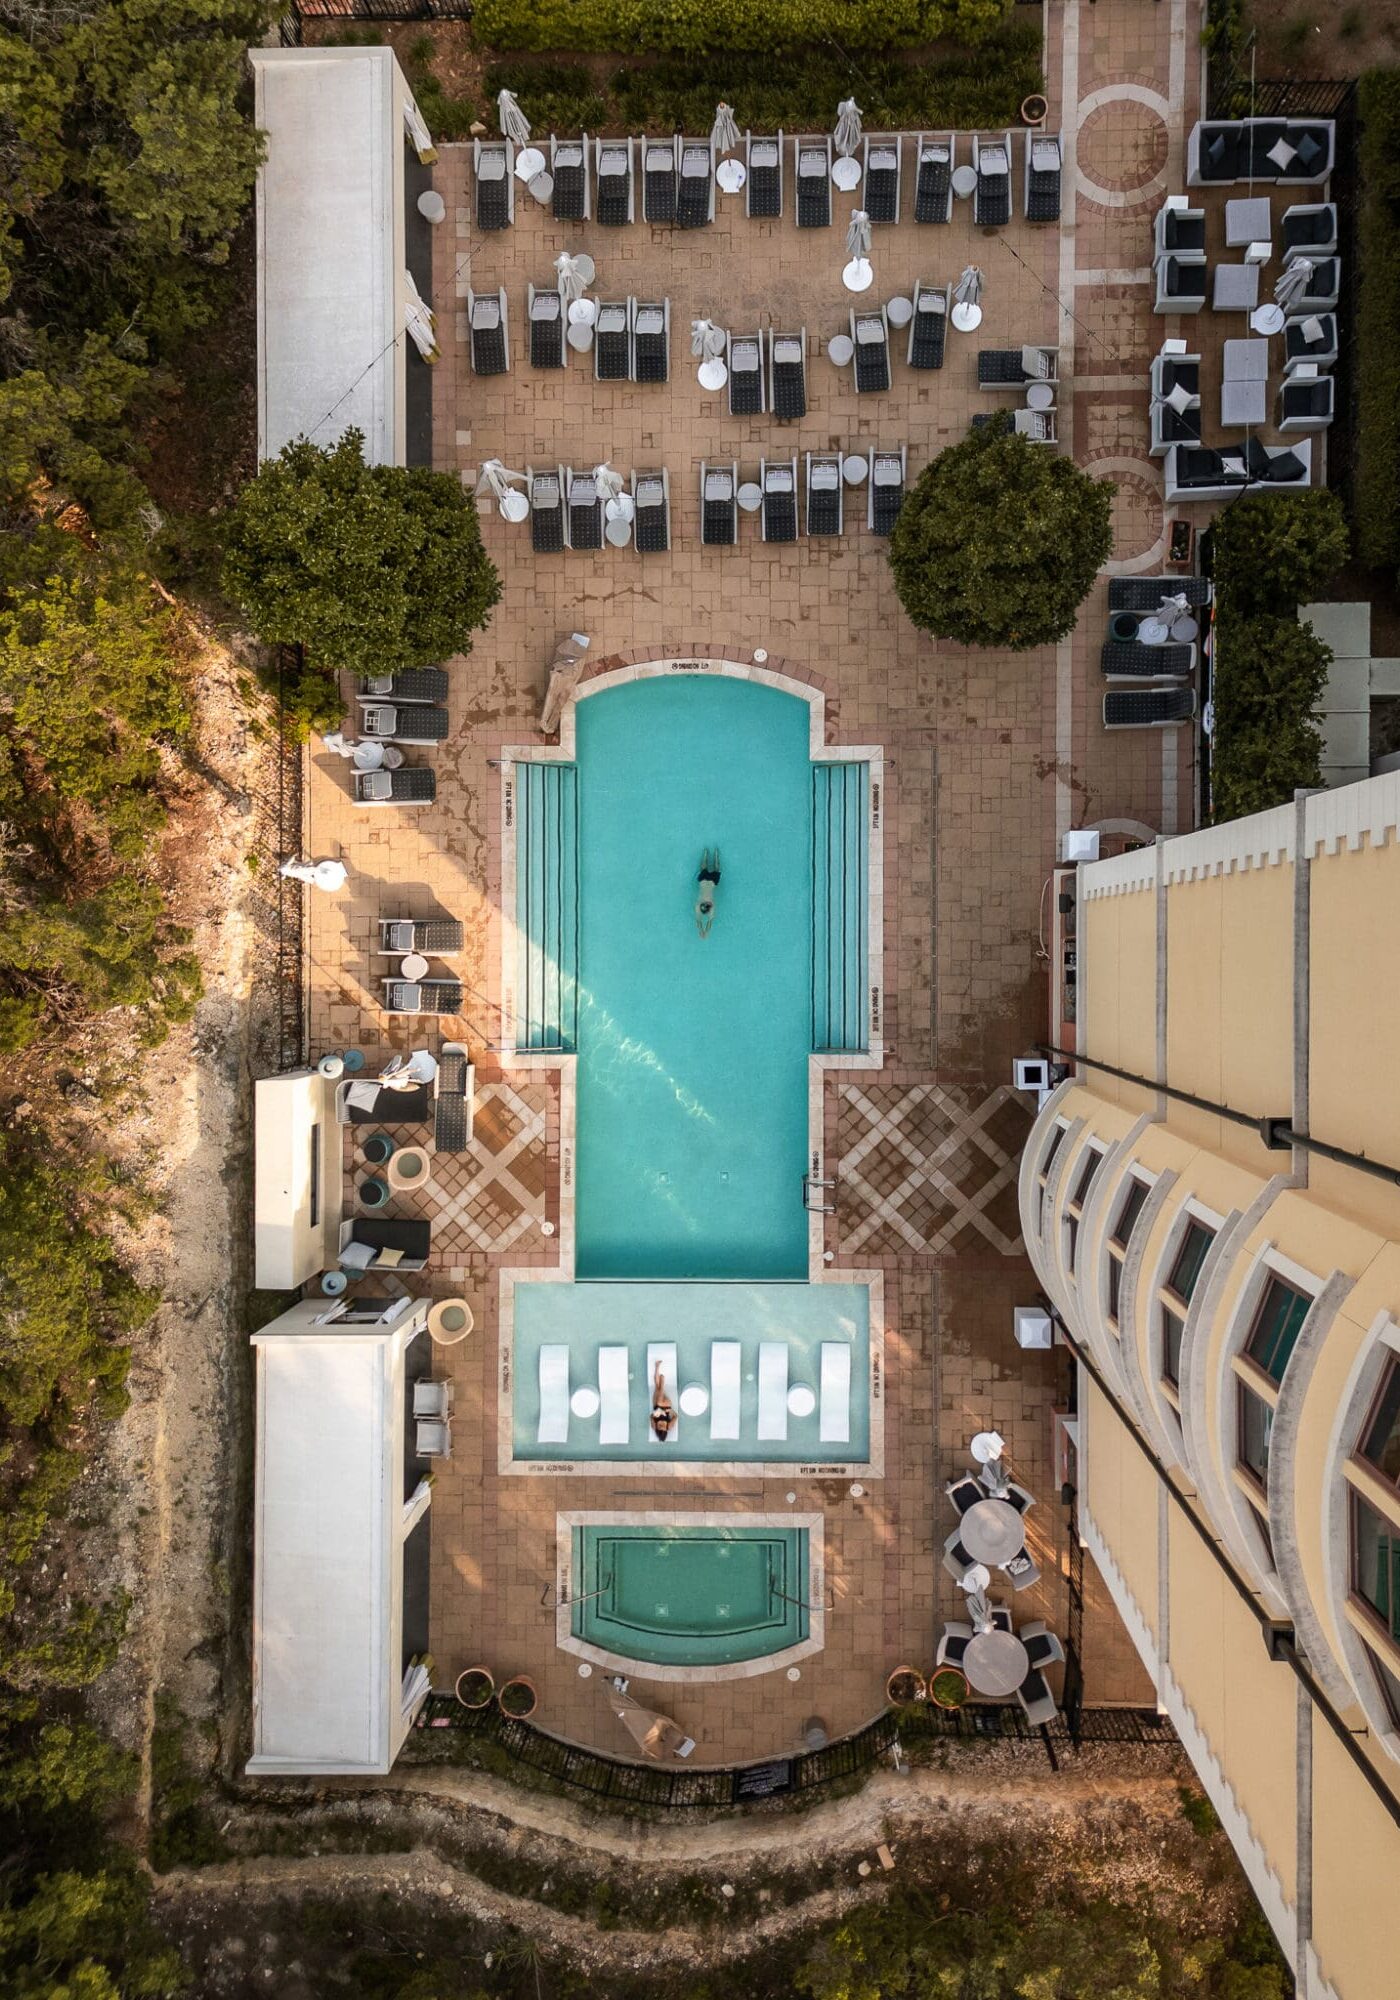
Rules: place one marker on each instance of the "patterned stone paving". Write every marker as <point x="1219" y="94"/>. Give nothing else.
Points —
<point x="493" y="1196"/>
<point x="926" y="1169"/>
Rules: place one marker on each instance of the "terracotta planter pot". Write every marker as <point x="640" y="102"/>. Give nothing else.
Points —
<point x="904" y="1685"/>
<point x="1034" y="109"/>
<point x="518" y="1698"/>
<point x="948" y="1687"/>
<point x="475" y="1687"/>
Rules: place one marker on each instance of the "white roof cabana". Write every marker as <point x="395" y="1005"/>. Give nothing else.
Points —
<point x="296" y="1179"/>
<point x="331" y="1690"/>
<point x="332" y="246"/>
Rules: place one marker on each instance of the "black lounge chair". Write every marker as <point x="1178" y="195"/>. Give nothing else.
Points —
<point x="427" y="684"/>
<point x="788" y="375"/>
<point x="568" y="163"/>
<point x="719" y="506"/>
<point x="585" y="510"/>
<point x="825" y="511"/>
<point x="651" y="360"/>
<point x="1148" y="708"/>
<point x="651" y="533"/>
<point x="614" y="170"/>
<point x="1145" y="593"/>
<point x="1014" y="367"/>
<point x="490" y="333"/>
<point x="1044" y="165"/>
<point x="612" y="342"/>
<point x="546" y="493"/>
<point x="870" y="336"/>
<point x="695" y="188"/>
<point x="422" y="997"/>
<point x="659" y="180"/>
<point x="415" y="722"/>
<point x="887" y="470"/>
<point x="452" y="1093"/>
<point x="813" y="183"/>
<point x="546" y="316"/>
<point x="495" y="184"/>
<point x="746" y="388"/>
<point x="928" y="329"/>
<point x="434" y="937"/>
<point x="1126" y="660"/>
<point x="411" y="786"/>
<point x="991" y="204"/>
<point x="778" y="484"/>
<point x="410" y="1235"/>
<point x="933" y="181"/>
<point x="764" y="187"/>
<point x="390" y="1107"/>
<point x="882" y="177"/>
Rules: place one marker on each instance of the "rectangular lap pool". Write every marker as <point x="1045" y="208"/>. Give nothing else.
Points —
<point x="690" y="1596"/>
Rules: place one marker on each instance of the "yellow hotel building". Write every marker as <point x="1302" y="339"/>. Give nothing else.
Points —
<point x="1211" y="1200"/>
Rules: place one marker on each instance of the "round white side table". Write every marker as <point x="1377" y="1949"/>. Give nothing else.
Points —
<point x="801" y="1400"/>
<point x="413" y="965"/>
<point x="964" y="182"/>
<point x="750" y="496"/>
<point x="840" y="350"/>
<point x="694" y="1399"/>
<point x="900" y="311"/>
<point x="584" y="1402"/>
<point x="854" y="468"/>
<point x="1040" y="396"/>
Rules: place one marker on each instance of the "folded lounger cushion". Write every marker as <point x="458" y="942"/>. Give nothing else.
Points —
<point x="554" y="1394"/>
<point x="724" y="1389"/>
<point x="772" y="1389"/>
<point x="836" y="1392"/>
<point x="614" y="1425"/>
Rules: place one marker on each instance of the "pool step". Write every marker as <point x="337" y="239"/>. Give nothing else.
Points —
<point x="840" y="908"/>
<point x="546" y="906"/>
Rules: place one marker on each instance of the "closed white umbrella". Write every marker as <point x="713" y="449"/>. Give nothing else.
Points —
<point x="848" y="127"/>
<point x="1175" y="604"/>
<point x="707" y="341"/>
<point x="858" y="234"/>
<point x="513" y="122"/>
<point x="1293" y="282"/>
<point x="419" y="320"/>
<point x="859" y="274"/>
<point x="574" y="276"/>
<point x="609" y="483"/>
<point x="724" y="133"/>
<point x="968" y="289"/>
<point x="494" y="481"/>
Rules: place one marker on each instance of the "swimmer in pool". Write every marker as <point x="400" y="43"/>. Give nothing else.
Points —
<point x="708" y="878"/>
<point x="663" y="1414"/>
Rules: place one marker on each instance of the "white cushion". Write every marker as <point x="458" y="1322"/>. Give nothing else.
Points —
<point x="1314" y="331"/>
<point x="1181" y="399"/>
<point x="357" y="1256"/>
<point x="1282" y="154"/>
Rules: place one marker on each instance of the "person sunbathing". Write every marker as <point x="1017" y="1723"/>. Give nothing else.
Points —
<point x="663" y="1411"/>
<point x="708" y="878"/>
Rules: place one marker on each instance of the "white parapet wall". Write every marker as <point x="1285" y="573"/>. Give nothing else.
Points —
<point x="296" y="1179"/>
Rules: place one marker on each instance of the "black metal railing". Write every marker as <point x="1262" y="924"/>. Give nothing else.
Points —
<point x="384" y="10"/>
<point x="801" y="1775"/>
<point x="278" y="905"/>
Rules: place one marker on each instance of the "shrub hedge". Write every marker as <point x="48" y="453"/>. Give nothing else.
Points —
<point x="1376" y="495"/>
<point x="1269" y="675"/>
<point x="1275" y="551"/>
<point x="691" y="27"/>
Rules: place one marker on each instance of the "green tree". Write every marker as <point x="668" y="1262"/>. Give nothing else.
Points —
<point x="999" y="542"/>
<point x="1274" y="551"/>
<point x="1269" y="676"/>
<point x="369" y="567"/>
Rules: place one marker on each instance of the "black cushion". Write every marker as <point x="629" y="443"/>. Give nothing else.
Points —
<point x="407" y="1233"/>
<point x="1257" y="459"/>
<point x="1215" y="149"/>
<point x="1308" y="149"/>
<point x="1286" y="466"/>
<point x="394" y="1107"/>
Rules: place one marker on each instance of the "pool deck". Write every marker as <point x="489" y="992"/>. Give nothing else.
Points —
<point x="988" y="757"/>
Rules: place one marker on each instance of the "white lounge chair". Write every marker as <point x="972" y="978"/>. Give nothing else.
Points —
<point x="772" y="1388"/>
<point x="614" y="1417"/>
<point x="724" y="1388"/>
<point x="554" y="1395"/>
<point x="836" y="1392"/>
<point x="662" y="1354"/>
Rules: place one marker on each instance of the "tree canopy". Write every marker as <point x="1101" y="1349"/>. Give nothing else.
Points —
<point x="1274" y="551"/>
<point x="369" y="567"/>
<point x="999" y="541"/>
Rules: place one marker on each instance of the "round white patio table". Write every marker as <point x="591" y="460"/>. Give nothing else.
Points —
<point x="1185" y="630"/>
<point x="585" y="267"/>
<point x="622" y="508"/>
<point x="421" y="1067"/>
<point x="413" y="965"/>
<point x="964" y="182"/>
<point x="369" y="757"/>
<point x="845" y="173"/>
<point x="529" y="161"/>
<point x="854" y="468"/>
<point x="731" y="175"/>
<point x="966" y="316"/>
<point x="542" y="188"/>
<point x="618" y="532"/>
<point x="992" y="1532"/>
<point x="987" y="1445"/>
<point x="583" y="312"/>
<point x="712" y="374"/>
<point x="695" y="1399"/>
<point x="1154" y="632"/>
<point x="514" y="506"/>
<point x="995" y="1662"/>
<point x="580" y="336"/>
<point x="859" y="275"/>
<point x="1268" y="318"/>
<point x="750" y="496"/>
<point x="801" y="1400"/>
<point x="901" y="311"/>
<point x="584" y="1402"/>
<point x="431" y="205"/>
<point x="840" y="349"/>
<point x="1040" y="396"/>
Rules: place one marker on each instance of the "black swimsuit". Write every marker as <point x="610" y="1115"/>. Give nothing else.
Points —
<point x="706" y="875"/>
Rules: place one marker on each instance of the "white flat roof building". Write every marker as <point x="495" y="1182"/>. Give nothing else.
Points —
<point x="332" y="289"/>
<point x="332" y="1691"/>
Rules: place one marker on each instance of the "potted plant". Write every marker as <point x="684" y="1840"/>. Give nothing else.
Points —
<point x="948" y="1688"/>
<point x="518" y="1697"/>
<point x="1034" y="109"/>
<point x="475" y="1687"/>
<point x="904" y="1685"/>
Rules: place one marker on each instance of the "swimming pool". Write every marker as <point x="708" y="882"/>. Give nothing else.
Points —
<point x="692" y="1052"/>
<point x="712" y="1595"/>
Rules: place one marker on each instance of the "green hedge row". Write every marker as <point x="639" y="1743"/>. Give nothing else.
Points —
<point x="759" y="27"/>
<point x="1376" y="495"/>
<point x="966" y="92"/>
<point x="1269" y="676"/>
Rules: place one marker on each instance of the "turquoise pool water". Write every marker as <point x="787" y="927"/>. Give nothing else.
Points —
<point x="692" y="1052"/>
<point x="690" y="1597"/>
<point x="587" y="1317"/>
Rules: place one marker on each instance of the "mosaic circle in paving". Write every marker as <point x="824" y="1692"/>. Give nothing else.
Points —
<point x="1137" y="516"/>
<point x="1122" y="145"/>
